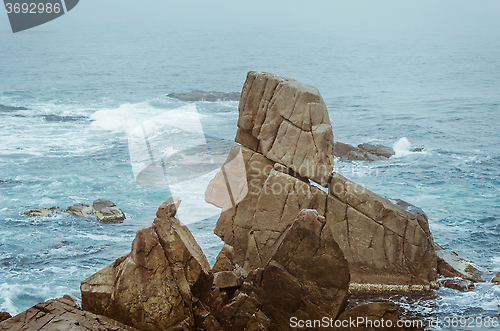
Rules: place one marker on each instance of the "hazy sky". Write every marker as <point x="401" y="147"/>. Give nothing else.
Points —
<point x="313" y="14"/>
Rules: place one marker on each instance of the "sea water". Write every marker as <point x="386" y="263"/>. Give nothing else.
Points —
<point x="86" y="88"/>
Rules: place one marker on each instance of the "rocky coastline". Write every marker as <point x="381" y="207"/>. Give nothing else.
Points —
<point x="299" y="239"/>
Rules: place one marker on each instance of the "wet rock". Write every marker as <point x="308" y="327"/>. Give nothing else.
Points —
<point x="61" y="314"/>
<point x="364" y="152"/>
<point x="107" y="212"/>
<point x="287" y="122"/>
<point x="80" y="209"/>
<point x="496" y="279"/>
<point x="4" y="108"/>
<point x="4" y="315"/>
<point x="205" y="96"/>
<point x="155" y="285"/>
<point x="451" y="265"/>
<point x="41" y="211"/>
<point x="457" y="283"/>
<point x="383" y="243"/>
<point x="298" y="281"/>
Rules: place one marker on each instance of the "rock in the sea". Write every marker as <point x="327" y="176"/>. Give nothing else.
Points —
<point x="205" y="96"/>
<point x="61" y="314"/>
<point x="307" y="276"/>
<point x="451" y="265"/>
<point x="286" y="121"/>
<point x="383" y="243"/>
<point x="107" y="212"/>
<point x="364" y="152"/>
<point x="496" y="279"/>
<point x="41" y="211"/>
<point x="155" y="285"/>
<point x="4" y="316"/>
<point x="457" y="283"/>
<point x="11" y="108"/>
<point x="80" y="209"/>
<point x="169" y="208"/>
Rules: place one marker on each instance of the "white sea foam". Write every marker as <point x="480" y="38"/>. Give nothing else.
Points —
<point x="401" y="147"/>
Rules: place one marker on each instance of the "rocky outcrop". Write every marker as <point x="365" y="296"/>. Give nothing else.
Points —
<point x="155" y="285"/>
<point x="287" y="122"/>
<point x="107" y="212"/>
<point x="4" y="316"/>
<point x="364" y="152"/>
<point x="450" y="265"/>
<point x="41" y="211"/>
<point x="456" y="283"/>
<point x="80" y="209"/>
<point x="205" y="96"/>
<point x="4" y="108"/>
<point x="496" y="279"/>
<point x="61" y="314"/>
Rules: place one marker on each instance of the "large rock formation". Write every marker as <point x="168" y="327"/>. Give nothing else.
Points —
<point x="383" y="243"/>
<point x="61" y="314"/>
<point x="155" y="285"/>
<point x="287" y="122"/>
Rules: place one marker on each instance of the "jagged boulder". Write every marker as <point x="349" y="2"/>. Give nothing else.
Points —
<point x="4" y="316"/>
<point x="155" y="285"/>
<point x="287" y="122"/>
<point x="450" y="265"/>
<point x="364" y="152"/>
<point x="383" y="243"/>
<point x="80" y="209"/>
<point x="61" y="314"/>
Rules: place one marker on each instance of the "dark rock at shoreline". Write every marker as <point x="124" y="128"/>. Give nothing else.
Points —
<point x="41" y="211"/>
<point x="61" y="314"/>
<point x="496" y="279"/>
<point x="205" y="96"/>
<point x="456" y="283"/>
<point x="450" y="265"/>
<point x="107" y="212"/>
<point x="4" y="108"/>
<point x="80" y="209"/>
<point x="364" y="152"/>
<point x="59" y="118"/>
<point x="374" y="312"/>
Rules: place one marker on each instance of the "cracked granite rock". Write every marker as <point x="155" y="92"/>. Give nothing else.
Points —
<point x="154" y="286"/>
<point x="61" y="314"/>
<point x="287" y="122"/>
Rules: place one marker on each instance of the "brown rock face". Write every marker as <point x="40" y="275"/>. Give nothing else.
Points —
<point x="287" y="122"/>
<point x="154" y="286"/>
<point x="61" y="314"/>
<point x="308" y="275"/>
<point x="449" y="264"/>
<point x="383" y="243"/>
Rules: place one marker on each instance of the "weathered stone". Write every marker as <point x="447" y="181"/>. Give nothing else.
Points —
<point x="496" y="279"/>
<point x="383" y="243"/>
<point x="61" y="314"/>
<point x="239" y="312"/>
<point x="107" y="212"/>
<point x="205" y="96"/>
<point x="449" y="264"/>
<point x="4" y="316"/>
<point x="307" y="277"/>
<point x="169" y="208"/>
<point x="224" y="261"/>
<point x="41" y="211"/>
<point x="379" y="150"/>
<point x="154" y="286"/>
<point x="287" y="121"/>
<point x="457" y="283"/>
<point x="364" y="152"/>
<point x="225" y="279"/>
<point x="80" y="209"/>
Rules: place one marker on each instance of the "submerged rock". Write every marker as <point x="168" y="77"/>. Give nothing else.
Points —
<point x="61" y="314"/>
<point x="41" y="211"/>
<point x="155" y="285"/>
<point x="287" y="122"/>
<point x="80" y="209"/>
<point x="457" y="283"/>
<point x="205" y="96"/>
<point x="4" y="108"/>
<point x="107" y="212"/>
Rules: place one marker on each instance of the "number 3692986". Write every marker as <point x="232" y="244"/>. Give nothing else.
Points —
<point x="33" y="8"/>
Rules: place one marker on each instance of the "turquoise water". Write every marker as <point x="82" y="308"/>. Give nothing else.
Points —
<point x="86" y="87"/>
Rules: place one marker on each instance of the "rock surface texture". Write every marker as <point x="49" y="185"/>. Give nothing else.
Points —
<point x="287" y="122"/>
<point x="155" y="285"/>
<point x="61" y="314"/>
<point x="364" y="152"/>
